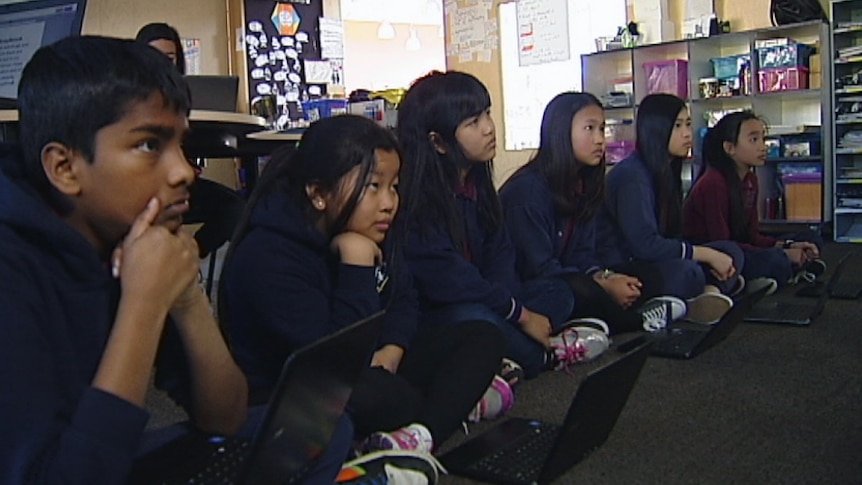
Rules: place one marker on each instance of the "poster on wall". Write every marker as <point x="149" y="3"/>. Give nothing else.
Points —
<point x="279" y="38"/>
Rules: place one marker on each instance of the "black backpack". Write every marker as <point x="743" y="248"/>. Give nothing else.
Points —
<point x="785" y="12"/>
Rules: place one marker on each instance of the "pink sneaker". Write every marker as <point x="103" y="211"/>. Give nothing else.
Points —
<point x="498" y="400"/>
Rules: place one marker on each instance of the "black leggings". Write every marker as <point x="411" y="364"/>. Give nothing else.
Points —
<point x="443" y="374"/>
<point x="591" y="300"/>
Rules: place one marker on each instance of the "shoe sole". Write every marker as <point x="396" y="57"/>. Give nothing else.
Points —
<point x="708" y="308"/>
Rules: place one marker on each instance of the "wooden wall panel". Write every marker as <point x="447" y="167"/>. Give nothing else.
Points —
<point x="202" y="19"/>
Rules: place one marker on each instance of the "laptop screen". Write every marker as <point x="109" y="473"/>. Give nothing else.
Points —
<point x="27" y="25"/>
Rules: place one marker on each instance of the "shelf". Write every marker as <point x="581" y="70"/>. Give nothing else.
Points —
<point x="798" y="94"/>
<point x="848" y="151"/>
<point x="842" y="239"/>
<point x="723" y="99"/>
<point x="848" y="122"/>
<point x="775" y="222"/>
<point x="847" y="210"/>
<point x="851" y="90"/>
<point x="816" y="158"/>
<point x="847" y="30"/>
<point x="848" y="60"/>
<point x="848" y="181"/>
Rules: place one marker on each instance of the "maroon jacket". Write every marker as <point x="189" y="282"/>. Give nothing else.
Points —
<point x="706" y="212"/>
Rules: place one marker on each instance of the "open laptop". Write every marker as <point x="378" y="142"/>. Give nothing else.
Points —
<point x="214" y="93"/>
<point x="683" y="340"/>
<point x="526" y="451"/>
<point x="796" y="311"/>
<point x="299" y="422"/>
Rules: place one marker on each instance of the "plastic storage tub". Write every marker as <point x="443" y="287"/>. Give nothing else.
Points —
<point x="790" y="55"/>
<point x="616" y="151"/>
<point x="323" y="108"/>
<point x="783" y="79"/>
<point x="669" y="76"/>
<point x="728" y="67"/>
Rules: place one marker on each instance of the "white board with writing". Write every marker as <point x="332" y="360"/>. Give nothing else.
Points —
<point x="528" y="89"/>
<point x="543" y="31"/>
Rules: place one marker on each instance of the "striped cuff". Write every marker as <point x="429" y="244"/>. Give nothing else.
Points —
<point x="687" y="251"/>
<point x="515" y="312"/>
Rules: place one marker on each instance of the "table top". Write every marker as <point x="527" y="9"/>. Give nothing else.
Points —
<point x="276" y="135"/>
<point x="238" y="120"/>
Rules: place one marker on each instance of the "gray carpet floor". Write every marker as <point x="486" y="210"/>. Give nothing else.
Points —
<point x="771" y="404"/>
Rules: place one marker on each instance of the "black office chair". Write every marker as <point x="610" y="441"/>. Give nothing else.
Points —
<point x="219" y="209"/>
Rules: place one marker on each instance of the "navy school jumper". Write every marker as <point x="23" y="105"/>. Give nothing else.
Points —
<point x="546" y="243"/>
<point x="549" y="244"/>
<point x="58" y="304"/>
<point x="285" y="289"/>
<point x="481" y="282"/>
<point x="628" y="231"/>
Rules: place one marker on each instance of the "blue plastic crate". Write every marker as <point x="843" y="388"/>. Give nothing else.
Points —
<point x="728" y="67"/>
<point x="323" y="108"/>
<point x="790" y="55"/>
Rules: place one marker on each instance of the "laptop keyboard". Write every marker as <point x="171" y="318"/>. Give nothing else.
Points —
<point x="523" y="458"/>
<point x="222" y="467"/>
<point x="676" y="339"/>
<point x="847" y="290"/>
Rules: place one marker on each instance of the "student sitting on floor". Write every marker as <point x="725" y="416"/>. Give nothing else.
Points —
<point x="640" y="226"/>
<point x="550" y="206"/>
<point x="315" y="254"/>
<point x="458" y="249"/>
<point x="722" y="204"/>
<point x="94" y="264"/>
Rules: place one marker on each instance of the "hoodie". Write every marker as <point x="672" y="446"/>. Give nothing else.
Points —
<point x="546" y="243"/>
<point x="284" y="289"/>
<point x="58" y="304"/>
<point x="628" y="223"/>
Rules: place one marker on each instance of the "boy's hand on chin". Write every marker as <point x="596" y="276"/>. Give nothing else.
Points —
<point x="153" y="263"/>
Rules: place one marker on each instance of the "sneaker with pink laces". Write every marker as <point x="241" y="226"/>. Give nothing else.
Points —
<point x="580" y="340"/>
<point x="413" y="437"/>
<point x="497" y="400"/>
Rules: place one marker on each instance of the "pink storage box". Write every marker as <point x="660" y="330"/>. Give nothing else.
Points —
<point x="783" y="79"/>
<point x="616" y="151"/>
<point x="667" y="77"/>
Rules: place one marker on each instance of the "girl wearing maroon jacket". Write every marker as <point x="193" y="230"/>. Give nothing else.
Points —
<point x="723" y="204"/>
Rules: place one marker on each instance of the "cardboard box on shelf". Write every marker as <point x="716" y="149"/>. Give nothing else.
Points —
<point x="804" y="196"/>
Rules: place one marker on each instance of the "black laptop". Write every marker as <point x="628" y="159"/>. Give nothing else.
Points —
<point x="214" y="93"/>
<point x="526" y="451"/>
<point x="301" y="417"/>
<point x="795" y="311"/>
<point x="684" y="340"/>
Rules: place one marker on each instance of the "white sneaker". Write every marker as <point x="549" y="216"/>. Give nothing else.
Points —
<point x="579" y="341"/>
<point x="758" y="283"/>
<point x="708" y="308"/>
<point x="413" y="437"/>
<point x="659" y="311"/>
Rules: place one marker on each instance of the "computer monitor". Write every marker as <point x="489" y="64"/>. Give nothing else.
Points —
<point x="27" y="25"/>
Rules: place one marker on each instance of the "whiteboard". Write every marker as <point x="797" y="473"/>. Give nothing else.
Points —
<point x="543" y="31"/>
<point x="526" y="90"/>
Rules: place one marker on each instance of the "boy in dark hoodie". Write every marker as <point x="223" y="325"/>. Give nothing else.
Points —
<point x="98" y="281"/>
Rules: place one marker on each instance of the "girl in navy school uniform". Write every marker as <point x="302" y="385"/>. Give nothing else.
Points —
<point x="458" y="249"/>
<point x="722" y="204"/>
<point x="316" y="254"/>
<point x="640" y="225"/>
<point x="550" y="206"/>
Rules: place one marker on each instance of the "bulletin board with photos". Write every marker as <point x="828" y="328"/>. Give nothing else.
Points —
<point x="279" y="38"/>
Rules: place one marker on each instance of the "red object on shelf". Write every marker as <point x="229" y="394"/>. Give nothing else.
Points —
<point x="783" y="79"/>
